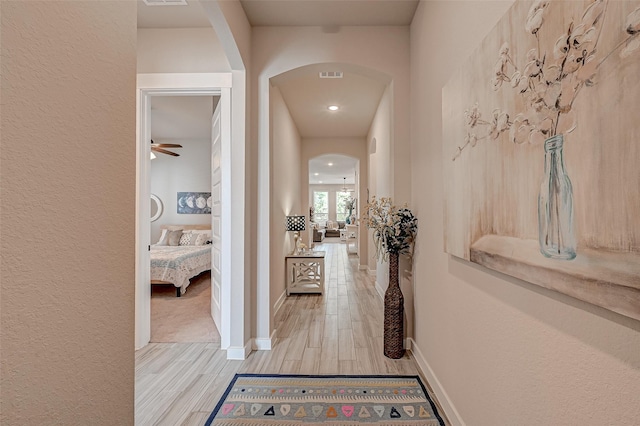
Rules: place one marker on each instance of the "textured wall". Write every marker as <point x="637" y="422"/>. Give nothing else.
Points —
<point x="381" y="181"/>
<point x="285" y="180"/>
<point x="505" y="352"/>
<point x="67" y="212"/>
<point x="180" y="50"/>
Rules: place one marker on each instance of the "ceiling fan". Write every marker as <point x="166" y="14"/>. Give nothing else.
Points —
<point x="160" y="147"/>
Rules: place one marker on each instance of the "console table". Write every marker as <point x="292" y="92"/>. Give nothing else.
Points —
<point x="304" y="272"/>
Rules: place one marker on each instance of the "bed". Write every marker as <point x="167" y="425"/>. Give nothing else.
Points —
<point x="175" y="261"/>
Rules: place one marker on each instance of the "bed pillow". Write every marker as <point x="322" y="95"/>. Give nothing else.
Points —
<point x="202" y="239"/>
<point x="162" y="236"/>
<point x="206" y="232"/>
<point x="185" y="239"/>
<point x="171" y="238"/>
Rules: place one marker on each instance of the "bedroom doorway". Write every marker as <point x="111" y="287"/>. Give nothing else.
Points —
<point x="163" y="85"/>
<point x="181" y="275"/>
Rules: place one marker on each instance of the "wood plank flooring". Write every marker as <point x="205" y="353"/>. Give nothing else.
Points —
<point x="339" y="332"/>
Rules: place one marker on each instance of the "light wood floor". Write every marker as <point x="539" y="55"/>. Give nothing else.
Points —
<point x="337" y="333"/>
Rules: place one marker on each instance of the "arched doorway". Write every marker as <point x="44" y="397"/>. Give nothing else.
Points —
<point x="301" y="122"/>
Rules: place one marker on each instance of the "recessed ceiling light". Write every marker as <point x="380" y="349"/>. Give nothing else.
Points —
<point x="319" y="181"/>
<point x="329" y="164"/>
<point x="316" y="174"/>
<point x="333" y="107"/>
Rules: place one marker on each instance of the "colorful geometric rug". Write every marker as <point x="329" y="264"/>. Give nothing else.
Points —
<point x="265" y="399"/>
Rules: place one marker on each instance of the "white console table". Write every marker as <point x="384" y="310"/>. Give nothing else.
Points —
<point x="304" y="272"/>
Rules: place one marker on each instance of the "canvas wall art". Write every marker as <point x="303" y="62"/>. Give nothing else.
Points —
<point x="541" y="146"/>
<point x="194" y="203"/>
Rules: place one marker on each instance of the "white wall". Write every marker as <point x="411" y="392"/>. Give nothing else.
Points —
<point x="225" y="49"/>
<point x="382" y="165"/>
<point x="381" y="130"/>
<point x="384" y="161"/>
<point x="504" y="351"/>
<point x="239" y="29"/>
<point x="234" y="33"/>
<point x="191" y="172"/>
<point x="180" y="50"/>
<point x="285" y="182"/>
<point x="67" y="212"/>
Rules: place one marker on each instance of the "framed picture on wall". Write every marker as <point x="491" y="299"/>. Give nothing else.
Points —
<point x="194" y="203"/>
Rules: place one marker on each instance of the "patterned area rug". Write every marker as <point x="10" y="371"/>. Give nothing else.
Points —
<point x="263" y="399"/>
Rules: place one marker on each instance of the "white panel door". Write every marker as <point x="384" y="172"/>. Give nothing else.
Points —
<point x="216" y="210"/>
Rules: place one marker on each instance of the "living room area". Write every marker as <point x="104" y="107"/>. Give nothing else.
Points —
<point x="333" y="201"/>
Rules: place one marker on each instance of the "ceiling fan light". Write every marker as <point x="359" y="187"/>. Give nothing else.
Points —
<point x="344" y="186"/>
<point x="152" y="156"/>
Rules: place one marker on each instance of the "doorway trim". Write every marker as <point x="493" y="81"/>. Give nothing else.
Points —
<point x="159" y="84"/>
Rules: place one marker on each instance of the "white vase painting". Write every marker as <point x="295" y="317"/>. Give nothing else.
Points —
<point x="551" y="75"/>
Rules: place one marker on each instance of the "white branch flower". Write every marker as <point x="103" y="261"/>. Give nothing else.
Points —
<point x="632" y="25"/>
<point x="550" y="87"/>
<point x="535" y="17"/>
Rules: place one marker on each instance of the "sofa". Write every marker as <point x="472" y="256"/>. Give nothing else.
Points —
<point x="318" y="235"/>
<point x="333" y="228"/>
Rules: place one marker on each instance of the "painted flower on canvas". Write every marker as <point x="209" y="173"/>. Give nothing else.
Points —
<point x="551" y="78"/>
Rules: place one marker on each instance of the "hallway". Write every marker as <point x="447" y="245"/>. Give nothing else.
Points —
<point x="337" y="333"/>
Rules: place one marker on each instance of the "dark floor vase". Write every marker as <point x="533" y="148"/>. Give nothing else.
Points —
<point x="393" y="313"/>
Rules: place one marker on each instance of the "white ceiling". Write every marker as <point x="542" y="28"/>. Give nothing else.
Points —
<point x="306" y="95"/>
<point x="329" y="12"/>
<point x="180" y="118"/>
<point x="189" y="16"/>
<point x="342" y="167"/>
<point x="286" y="12"/>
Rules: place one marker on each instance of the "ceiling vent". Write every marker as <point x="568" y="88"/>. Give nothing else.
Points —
<point x="331" y="74"/>
<point x="165" y="2"/>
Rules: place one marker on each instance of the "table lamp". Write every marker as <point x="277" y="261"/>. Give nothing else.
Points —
<point x="296" y="224"/>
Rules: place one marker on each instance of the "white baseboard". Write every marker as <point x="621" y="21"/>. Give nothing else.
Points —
<point x="363" y="267"/>
<point x="266" y="343"/>
<point x="447" y="406"/>
<point x="239" y="352"/>
<point x="408" y="344"/>
<point x="372" y="272"/>
<point x="380" y="291"/>
<point x="263" y="344"/>
<point x="279" y="302"/>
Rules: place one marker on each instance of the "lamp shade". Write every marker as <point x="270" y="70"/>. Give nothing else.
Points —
<point x="295" y="223"/>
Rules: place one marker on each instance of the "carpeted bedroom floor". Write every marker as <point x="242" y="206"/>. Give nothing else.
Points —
<point x="183" y="319"/>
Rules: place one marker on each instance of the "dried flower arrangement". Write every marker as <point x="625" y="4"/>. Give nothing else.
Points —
<point x="394" y="229"/>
